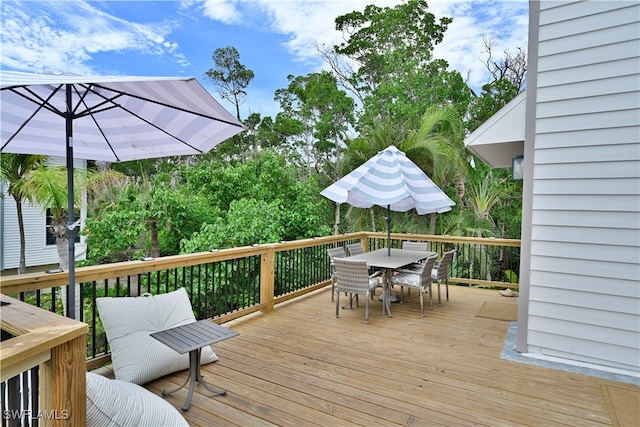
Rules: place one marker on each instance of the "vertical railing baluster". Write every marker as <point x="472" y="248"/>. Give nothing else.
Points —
<point x="35" y="393"/>
<point x="94" y="319"/>
<point x="198" y="286"/>
<point x="13" y="399"/>
<point x="25" y="393"/>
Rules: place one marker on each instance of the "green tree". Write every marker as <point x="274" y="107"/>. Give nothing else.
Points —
<point x="435" y="147"/>
<point x="397" y="76"/>
<point x="270" y="189"/>
<point x="48" y="187"/>
<point x="494" y="96"/>
<point x="508" y="79"/>
<point x="323" y="113"/>
<point x="14" y="171"/>
<point x="230" y="76"/>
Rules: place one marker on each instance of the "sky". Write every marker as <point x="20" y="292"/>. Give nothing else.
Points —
<point x="274" y="38"/>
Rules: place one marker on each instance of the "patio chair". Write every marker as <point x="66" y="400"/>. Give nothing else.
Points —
<point x="333" y="254"/>
<point x="417" y="279"/>
<point x="354" y="249"/>
<point x="353" y="278"/>
<point x="415" y="246"/>
<point x="441" y="272"/>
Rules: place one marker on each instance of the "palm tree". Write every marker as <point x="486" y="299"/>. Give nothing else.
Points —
<point x="371" y="141"/>
<point x="14" y="170"/>
<point x="437" y="148"/>
<point x="47" y="185"/>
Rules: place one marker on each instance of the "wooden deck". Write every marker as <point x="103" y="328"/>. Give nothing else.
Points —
<point x="300" y="366"/>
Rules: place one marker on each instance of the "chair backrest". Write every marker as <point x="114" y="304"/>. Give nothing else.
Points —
<point x="415" y="246"/>
<point x="354" y="249"/>
<point x="443" y="267"/>
<point x="425" y="269"/>
<point x="352" y="275"/>
<point x="336" y="253"/>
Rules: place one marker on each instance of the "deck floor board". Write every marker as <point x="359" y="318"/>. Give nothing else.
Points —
<point x="302" y="366"/>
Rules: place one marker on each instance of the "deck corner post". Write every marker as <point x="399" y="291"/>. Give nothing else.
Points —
<point x="267" y="280"/>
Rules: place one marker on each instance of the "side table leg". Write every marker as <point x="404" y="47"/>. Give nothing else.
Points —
<point x="166" y="392"/>
<point x="194" y="366"/>
<point x="200" y="379"/>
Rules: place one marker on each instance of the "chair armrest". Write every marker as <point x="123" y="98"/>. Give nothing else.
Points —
<point x="402" y="270"/>
<point x="376" y="274"/>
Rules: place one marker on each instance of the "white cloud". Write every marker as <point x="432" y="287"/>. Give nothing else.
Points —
<point x="63" y="36"/>
<point x="308" y="23"/>
<point x="222" y="10"/>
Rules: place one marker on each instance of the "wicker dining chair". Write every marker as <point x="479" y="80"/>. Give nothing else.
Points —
<point x="353" y="278"/>
<point x="415" y="246"/>
<point x="417" y="279"/>
<point x="441" y="272"/>
<point x="334" y="253"/>
<point x="354" y="249"/>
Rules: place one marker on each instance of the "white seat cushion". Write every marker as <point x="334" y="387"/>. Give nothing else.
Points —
<point x="406" y="279"/>
<point x="120" y="403"/>
<point x="128" y="322"/>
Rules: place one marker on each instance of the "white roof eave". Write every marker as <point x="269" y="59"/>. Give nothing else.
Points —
<point x="501" y="138"/>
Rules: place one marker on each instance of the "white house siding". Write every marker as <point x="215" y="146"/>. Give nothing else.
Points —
<point x="584" y="287"/>
<point x="37" y="252"/>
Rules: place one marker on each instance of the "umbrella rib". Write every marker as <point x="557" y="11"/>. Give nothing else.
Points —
<point x="117" y="105"/>
<point x="42" y="103"/>
<point x="173" y="107"/>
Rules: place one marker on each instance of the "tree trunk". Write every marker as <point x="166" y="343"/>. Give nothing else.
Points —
<point x="432" y="222"/>
<point x="155" y="246"/>
<point x="62" y="244"/>
<point x="336" y="220"/>
<point x="373" y="219"/>
<point x="22" y="267"/>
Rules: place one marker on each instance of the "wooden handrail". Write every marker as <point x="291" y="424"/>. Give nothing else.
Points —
<point x="58" y="345"/>
<point x="35" y="281"/>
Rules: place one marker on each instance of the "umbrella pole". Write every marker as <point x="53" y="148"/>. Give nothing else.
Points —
<point x="389" y="230"/>
<point x="71" y="232"/>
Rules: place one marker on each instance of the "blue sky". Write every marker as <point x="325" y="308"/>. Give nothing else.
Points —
<point x="274" y="38"/>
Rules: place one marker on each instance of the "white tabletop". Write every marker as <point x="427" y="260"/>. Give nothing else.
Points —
<point x="399" y="257"/>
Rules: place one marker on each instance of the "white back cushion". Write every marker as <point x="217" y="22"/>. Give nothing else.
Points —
<point x="128" y="322"/>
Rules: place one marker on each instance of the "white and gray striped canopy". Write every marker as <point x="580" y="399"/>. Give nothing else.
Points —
<point x="389" y="179"/>
<point x="110" y="119"/>
<point x="114" y="118"/>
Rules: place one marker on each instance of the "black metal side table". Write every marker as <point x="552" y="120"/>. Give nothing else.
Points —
<point x="191" y="338"/>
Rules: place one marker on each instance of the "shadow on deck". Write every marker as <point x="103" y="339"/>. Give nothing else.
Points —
<point x="301" y="366"/>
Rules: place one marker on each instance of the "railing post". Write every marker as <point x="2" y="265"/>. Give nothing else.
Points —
<point x="63" y="388"/>
<point x="365" y="243"/>
<point x="58" y="346"/>
<point x="267" y="279"/>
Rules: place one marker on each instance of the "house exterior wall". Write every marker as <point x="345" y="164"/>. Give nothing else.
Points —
<point x="37" y="252"/>
<point x="583" y="293"/>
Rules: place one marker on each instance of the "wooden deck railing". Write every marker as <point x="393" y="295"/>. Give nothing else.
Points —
<point x="231" y="283"/>
<point x="57" y="346"/>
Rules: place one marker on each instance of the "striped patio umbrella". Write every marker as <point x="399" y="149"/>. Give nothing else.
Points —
<point x="107" y="118"/>
<point x="389" y="179"/>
